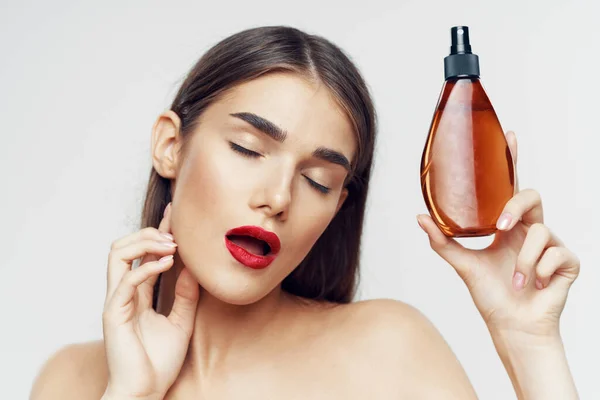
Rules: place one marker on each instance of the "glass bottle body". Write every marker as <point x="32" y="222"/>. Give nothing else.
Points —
<point x="467" y="171"/>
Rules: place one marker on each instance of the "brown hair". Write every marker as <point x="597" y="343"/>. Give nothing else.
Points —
<point x="330" y="270"/>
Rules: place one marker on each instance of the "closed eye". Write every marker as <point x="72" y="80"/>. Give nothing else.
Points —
<point x="244" y="151"/>
<point x="319" y="187"/>
<point x="249" y="153"/>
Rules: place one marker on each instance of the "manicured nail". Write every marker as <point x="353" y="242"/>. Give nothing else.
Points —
<point x="166" y="209"/>
<point x="538" y="284"/>
<point x="504" y="221"/>
<point x="166" y="235"/>
<point x="518" y="280"/>
<point x="165" y="259"/>
<point x="168" y="244"/>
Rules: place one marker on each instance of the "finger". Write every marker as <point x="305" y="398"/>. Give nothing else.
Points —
<point x="558" y="266"/>
<point x="144" y="295"/>
<point x="511" y="140"/>
<point x="165" y="223"/>
<point x="187" y="292"/>
<point x="525" y="206"/>
<point x="446" y="247"/>
<point x="538" y="239"/>
<point x="164" y="228"/>
<point x="125" y="291"/>
<point x="120" y="260"/>
<point x="142" y="234"/>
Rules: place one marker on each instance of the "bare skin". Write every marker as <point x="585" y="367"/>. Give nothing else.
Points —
<point x="226" y="331"/>
<point x="382" y="349"/>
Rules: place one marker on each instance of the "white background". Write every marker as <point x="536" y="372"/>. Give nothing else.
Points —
<point x="81" y="84"/>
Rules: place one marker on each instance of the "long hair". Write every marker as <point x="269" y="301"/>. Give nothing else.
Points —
<point x="330" y="271"/>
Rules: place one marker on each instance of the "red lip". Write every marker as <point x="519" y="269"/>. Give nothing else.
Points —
<point x="246" y="258"/>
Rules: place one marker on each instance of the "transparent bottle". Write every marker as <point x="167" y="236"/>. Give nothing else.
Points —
<point x="467" y="171"/>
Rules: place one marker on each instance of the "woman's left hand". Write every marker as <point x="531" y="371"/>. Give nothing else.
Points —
<point x="520" y="282"/>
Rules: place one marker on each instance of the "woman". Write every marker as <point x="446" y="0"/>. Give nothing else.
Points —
<point x="250" y="249"/>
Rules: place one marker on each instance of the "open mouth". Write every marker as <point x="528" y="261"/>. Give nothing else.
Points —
<point x="251" y="244"/>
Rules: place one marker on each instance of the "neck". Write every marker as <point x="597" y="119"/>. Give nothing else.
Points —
<point x="223" y="331"/>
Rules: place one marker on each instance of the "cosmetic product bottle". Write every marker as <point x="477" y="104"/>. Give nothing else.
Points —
<point x="467" y="171"/>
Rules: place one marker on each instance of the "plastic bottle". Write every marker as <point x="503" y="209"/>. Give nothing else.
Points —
<point x="467" y="171"/>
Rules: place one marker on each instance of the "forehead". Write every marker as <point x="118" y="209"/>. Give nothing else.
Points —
<point x="306" y="110"/>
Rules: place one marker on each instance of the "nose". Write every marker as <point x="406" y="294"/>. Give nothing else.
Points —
<point x="273" y="194"/>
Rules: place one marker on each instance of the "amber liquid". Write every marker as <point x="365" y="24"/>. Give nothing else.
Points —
<point x="467" y="171"/>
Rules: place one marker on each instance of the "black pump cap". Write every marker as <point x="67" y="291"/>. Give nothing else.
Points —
<point x="461" y="63"/>
<point x="460" y="40"/>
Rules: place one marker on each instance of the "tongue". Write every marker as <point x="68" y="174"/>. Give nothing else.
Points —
<point x="249" y="244"/>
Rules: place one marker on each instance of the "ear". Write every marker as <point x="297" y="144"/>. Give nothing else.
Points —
<point x="343" y="197"/>
<point x="165" y="144"/>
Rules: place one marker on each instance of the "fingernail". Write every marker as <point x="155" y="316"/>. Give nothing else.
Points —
<point x="538" y="284"/>
<point x="165" y="259"/>
<point x="168" y="244"/>
<point x="504" y="221"/>
<point x="518" y="280"/>
<point x="167" y="235"/>
<point x="166" y="210"/>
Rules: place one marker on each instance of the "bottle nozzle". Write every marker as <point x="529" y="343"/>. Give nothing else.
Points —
<point x="461" y="62"/>
<point x="460" y="40"/>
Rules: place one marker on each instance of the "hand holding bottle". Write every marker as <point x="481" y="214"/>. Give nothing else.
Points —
<point x="519" y="283"/>
<point x="145" y="350"/>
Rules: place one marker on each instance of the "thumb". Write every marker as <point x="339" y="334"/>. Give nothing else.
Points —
<point x="446" y="247"/>
<point x="187" y="292"/>
<point x="511" y="140"/>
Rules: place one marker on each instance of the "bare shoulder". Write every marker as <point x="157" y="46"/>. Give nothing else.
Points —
<point x="76" y="371"/>
<point x="395" y="344"/>
<point x="388" y="325"/>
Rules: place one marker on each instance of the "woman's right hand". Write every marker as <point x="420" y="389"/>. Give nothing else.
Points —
<point x="145" y="350"/>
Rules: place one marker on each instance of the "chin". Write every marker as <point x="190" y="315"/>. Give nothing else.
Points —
<point x="237" y="290"/>
<point x="232" y="283"/>
<point x="226" y="279"/>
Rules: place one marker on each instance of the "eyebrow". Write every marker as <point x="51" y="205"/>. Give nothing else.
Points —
<point x="270" y="129"/>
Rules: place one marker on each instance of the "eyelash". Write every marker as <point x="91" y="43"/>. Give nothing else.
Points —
<point x="249" y="153"/>
<point x="244" y="151"/>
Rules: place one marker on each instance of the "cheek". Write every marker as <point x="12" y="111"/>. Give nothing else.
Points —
<point x="201" y="198"/>
<point x="308" y="226"/>
<point x="197" y="188"/>
<point x="209" y="179"/>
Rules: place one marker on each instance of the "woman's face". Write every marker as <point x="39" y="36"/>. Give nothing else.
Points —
<point x="234" y="173"/>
